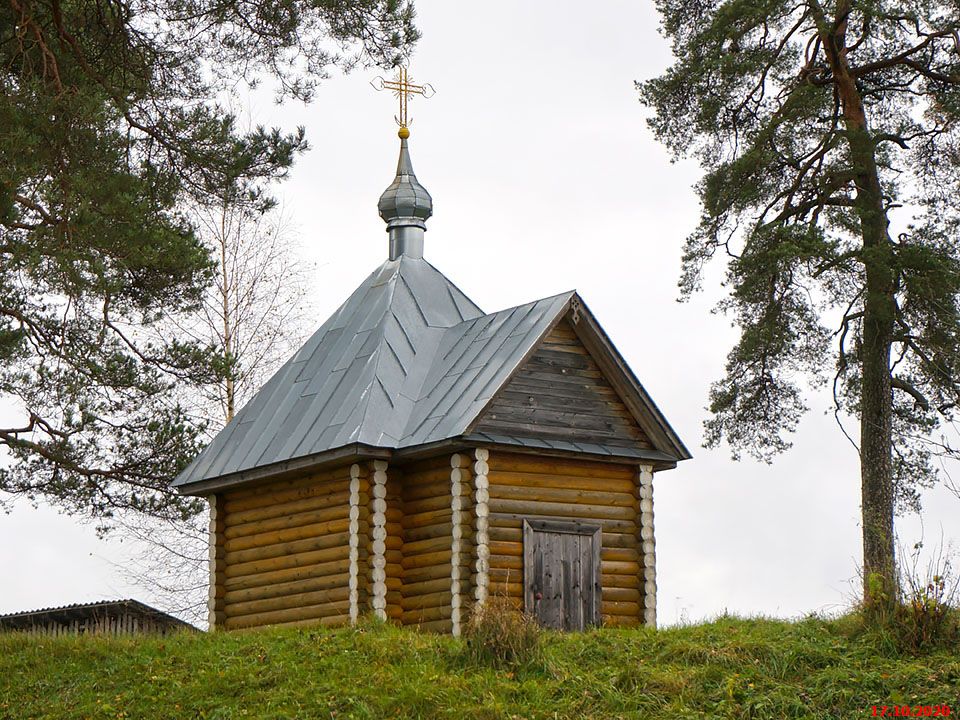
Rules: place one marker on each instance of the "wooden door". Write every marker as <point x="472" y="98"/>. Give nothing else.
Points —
<point x="561" y="573"/>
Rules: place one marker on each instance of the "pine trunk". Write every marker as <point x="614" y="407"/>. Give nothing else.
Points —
<point x="876" y="393"/>
<point x="879" y="310"/>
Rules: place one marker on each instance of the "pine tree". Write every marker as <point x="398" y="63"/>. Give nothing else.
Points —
<point x="817" y="127"/>
<point x="109" y="126"/>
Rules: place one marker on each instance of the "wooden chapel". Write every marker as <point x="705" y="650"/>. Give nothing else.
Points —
<point x="418" y="454"/>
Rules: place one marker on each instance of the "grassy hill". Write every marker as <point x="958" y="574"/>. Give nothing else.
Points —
<point x="729" y="668"/>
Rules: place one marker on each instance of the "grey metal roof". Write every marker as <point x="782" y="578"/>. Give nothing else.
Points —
<point x="408" y="360"/>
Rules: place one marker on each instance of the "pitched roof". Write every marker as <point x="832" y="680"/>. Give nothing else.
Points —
<point x="408" y="360"/>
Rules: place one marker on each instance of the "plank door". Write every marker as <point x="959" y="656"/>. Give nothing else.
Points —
<point x="561" y="573"/>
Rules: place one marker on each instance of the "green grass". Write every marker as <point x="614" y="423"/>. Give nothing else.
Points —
<point x="729" y="668"/>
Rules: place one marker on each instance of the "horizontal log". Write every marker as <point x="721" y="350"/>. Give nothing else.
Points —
<point x="422" y="602"/>
<point x="438" y="557"/>
<point x="441" y="542"/>
<point x="620" y="608"/>
<point x="429" y="483"/>
<point x="412" y="617"/>
<point x="612" y="567"/>
<point x="293" y="587"/>
<point x="285" y="602"/>
<point x="331" y="621"/>
<point x="293" y="560"/>
<point x="507" y="589"/>
<point x="291" y="507"/>
<point x="286" y="522"/>
<point x="275" y="537"/>
<point x="308" y="612"/>
<point x="427" y="532"/>
<point x="515" y="535"/>
<point x="612" y="621"/>
<point x="426" y="586"/>
<point x="432" y="518"/>
<point x="300" y="573"/>
<point x="556" y="509"/>
<point x="504" y="574"/>
<point x="568" y="482"/>
<point x="621" y="581"/>
<point x="616" y="594"/>
<point x="394" y="514"/>
<point x="431" y="572"/>
<point x="515" y="520"/>
<point x="620" y="554"/>
<point x="421" y="467"/>
<point x="436" y="626"/>
<point x="507" y="562"/>
<point x="288" y="548"/>
<point x="517" y="463"/>
<point x="565" y="495"/>
<point x="425" y="505"/>
<point x="245" y="498"/>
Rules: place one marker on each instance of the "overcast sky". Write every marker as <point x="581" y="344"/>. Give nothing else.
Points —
<point x="545" y="178"/>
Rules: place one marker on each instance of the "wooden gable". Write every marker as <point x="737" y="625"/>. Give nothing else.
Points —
<point x="560" y="393"/>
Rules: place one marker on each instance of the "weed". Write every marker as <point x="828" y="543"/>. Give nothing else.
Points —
<point x="499" y="634"/>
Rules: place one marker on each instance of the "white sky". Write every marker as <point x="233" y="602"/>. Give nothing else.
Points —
<point x="545" y="178"/>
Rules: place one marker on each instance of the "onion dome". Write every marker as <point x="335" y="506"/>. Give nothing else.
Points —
<point x="405" y="206"/>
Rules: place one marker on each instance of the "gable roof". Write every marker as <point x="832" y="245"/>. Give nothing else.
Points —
<point x="408" y="360"/>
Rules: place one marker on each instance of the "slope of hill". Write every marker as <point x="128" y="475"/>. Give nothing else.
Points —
<point x="729" y="668"/>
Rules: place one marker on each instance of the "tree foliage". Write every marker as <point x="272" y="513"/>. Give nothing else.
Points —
<point x="109" y="126"/>
<point x="818" y="126"/>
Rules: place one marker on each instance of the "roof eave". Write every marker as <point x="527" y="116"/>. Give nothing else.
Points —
<point x="286" y="468"/>
<point x="638" y="401"/>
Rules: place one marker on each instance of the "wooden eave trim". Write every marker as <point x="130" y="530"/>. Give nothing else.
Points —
<point x="628" y="387"/>
<point x="657" y="463"/>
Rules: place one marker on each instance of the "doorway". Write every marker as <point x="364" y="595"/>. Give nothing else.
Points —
<point x="561" y="573"/>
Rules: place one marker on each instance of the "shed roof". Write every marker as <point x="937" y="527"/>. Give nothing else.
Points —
<point x="80" y="611"/>
<point x="407" y="361"/>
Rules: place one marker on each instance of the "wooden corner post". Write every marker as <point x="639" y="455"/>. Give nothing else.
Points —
<point x="359" y="538"/>
<point x="378" y="542"/>
<point x="481" y="525"/>
<point x="461" y="543"/>
<point x="215" y="605"/>
<point x="648" y="546"/>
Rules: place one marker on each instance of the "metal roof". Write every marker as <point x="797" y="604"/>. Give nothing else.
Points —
<point x="408" y="360"/>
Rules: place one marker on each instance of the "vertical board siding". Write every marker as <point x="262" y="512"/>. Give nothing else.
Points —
<point x="287" y="551"/>
<point x="427" y="533"/>
<point x="560" y="393"/>
<point x="528" y="487"/>
<point x="121" y="624"/>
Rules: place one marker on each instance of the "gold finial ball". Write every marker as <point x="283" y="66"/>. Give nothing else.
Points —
<point x="403" y="133"/>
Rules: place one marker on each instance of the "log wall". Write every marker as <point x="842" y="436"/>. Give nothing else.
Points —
<point x="286" y="556"/>
<point x="525" y="486"/>
<point x="427" y="538"/>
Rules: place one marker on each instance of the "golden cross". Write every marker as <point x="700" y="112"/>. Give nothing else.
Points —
<point x="403" y="88"/>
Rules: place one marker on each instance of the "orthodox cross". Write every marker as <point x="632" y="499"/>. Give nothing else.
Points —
<point x="403" y="88"/>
